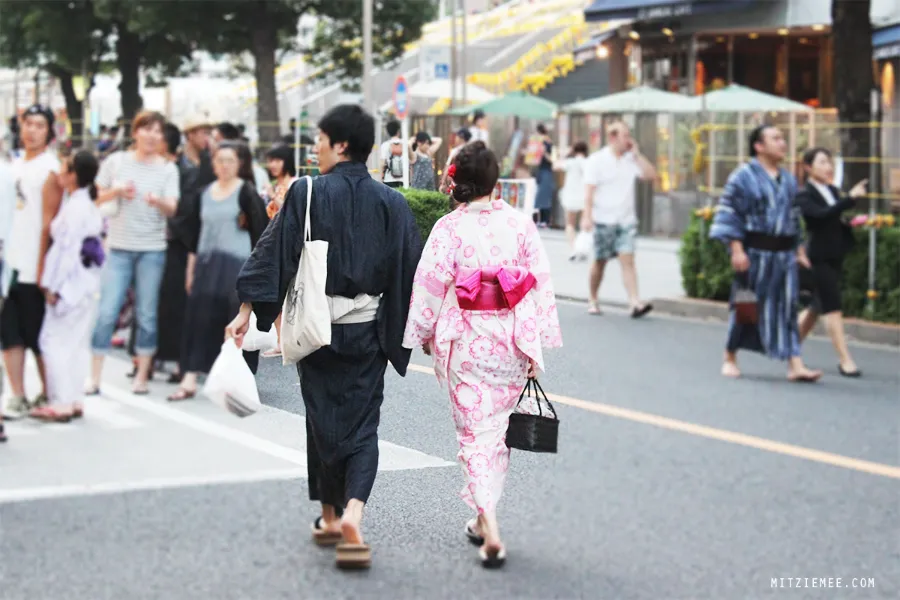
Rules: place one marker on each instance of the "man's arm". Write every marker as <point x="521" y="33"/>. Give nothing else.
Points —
<point x="645" y="167"/>
<point x="51" y="197"/>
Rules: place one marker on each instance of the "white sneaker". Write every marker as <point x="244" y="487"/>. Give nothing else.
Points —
<point x="16" y="408"/>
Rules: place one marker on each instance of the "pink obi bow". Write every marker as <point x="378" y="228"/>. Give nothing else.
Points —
<point x="492" y="288"/>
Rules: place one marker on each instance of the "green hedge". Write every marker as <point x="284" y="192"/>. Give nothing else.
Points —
<point x="428" y="207"/>
<point x="706" y="270"/>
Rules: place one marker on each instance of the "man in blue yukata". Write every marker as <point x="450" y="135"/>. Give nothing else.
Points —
<point x="757" y="221"/>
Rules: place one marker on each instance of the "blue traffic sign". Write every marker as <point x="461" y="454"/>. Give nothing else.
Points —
<point x="401" y="97"/>
<point x="442" y="71"/>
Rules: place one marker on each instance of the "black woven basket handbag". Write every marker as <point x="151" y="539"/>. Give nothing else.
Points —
<point x="533" y="433"/>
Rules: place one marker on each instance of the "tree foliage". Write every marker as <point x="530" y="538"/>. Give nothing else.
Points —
<point x="337" y="49"/>
<point x="65" y="39"/>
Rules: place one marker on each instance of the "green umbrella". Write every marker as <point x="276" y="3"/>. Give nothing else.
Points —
<point x="514" y="104"/>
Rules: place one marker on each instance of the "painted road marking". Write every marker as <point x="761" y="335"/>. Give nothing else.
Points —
<point x="722" y="435"/>
<point x="118" y="487"/>
<point x="99" y="412"/>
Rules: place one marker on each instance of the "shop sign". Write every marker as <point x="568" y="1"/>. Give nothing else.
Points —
<point x="665" y="12"/>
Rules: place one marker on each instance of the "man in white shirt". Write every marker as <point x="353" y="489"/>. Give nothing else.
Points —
<point x="609" y="209"/>
<point x="392" y="156"/>
<point x="37" y="201"/>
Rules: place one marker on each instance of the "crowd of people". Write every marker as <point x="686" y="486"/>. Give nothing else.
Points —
<point x="181" y="219"/>
<point x="179" y="211"/>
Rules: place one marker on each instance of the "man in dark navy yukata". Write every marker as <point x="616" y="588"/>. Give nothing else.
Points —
<point x="373" y="250"/>
<point x="757" y="221"/>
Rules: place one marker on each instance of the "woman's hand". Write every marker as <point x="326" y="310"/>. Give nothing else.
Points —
<point x="240" y="325"/>
<point x="127" y="191"/>
<point x="51" y="298"/>
<point x="859" y="190"/>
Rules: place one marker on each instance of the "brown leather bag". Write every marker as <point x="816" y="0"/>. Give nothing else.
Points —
<point x="745" y="302"/>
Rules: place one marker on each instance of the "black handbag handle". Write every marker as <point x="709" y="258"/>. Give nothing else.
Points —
<point x="532" y="381"/>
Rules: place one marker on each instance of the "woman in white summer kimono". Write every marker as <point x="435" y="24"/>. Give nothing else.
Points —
<point x="71" y="282"/>
<point x="483" y="305"/>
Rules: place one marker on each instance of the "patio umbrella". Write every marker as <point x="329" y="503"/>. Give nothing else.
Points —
<point x="639" y="99"/>
<point x="443" y="88"/>
<point x="514" y="104"/>
<point x="737" y="98"/>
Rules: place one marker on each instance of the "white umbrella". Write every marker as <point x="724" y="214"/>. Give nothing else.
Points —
<point x="737" y="98"/>
<point x="639" y="99"/>
<point x="443" y="88"/>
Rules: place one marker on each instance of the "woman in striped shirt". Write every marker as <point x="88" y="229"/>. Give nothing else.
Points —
<point x="144" y="187"/>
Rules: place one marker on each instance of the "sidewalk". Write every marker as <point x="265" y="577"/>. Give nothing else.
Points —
<point x="659" y="274"/>
<point x="659" y="281"/>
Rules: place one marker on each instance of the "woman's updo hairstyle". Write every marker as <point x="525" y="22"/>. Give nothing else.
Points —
<point x="476" y="172"/>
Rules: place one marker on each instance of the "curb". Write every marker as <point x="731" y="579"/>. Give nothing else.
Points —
<point x="864" y="331"/>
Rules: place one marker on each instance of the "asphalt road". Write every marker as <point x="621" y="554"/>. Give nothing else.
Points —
<point x="670" y="483"/>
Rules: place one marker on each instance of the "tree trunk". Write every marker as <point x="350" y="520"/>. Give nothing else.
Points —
<point x="853" y="83"/>
<point x="128" y="58"/>
<point x="264" y="45"/>
<point x="74" y="108"/>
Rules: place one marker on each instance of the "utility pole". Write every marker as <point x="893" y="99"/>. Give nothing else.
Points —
<point x="454" y="66"/>
<point x="368" y="92"/>
<point x="463" y="61"/>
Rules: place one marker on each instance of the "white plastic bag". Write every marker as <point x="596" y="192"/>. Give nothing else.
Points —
<point x="306" y="314"/>
<point x="257" y="340"/>
<point x="230" y="384"/>
<point x="584" y="243"/>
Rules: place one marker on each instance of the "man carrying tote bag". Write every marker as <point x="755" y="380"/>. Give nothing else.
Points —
<point x="372" y="244"/>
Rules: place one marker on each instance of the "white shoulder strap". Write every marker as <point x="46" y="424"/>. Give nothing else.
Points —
<point x="307" y="228"/>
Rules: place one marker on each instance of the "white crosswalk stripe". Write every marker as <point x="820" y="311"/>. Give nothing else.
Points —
<point x="98" y="413"/>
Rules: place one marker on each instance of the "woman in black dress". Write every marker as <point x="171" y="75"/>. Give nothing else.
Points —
<point x="830" y="239"/>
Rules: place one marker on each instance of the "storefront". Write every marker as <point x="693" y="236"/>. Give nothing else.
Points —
<point x="781" y="47"/>
<point x="886" y="47"/>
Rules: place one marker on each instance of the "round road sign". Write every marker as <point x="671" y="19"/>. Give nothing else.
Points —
<point x="401" y="97"/>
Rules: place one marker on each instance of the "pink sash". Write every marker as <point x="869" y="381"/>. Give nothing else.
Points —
<point x="492" y="288"/>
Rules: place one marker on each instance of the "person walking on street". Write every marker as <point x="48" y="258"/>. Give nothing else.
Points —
<point x="488" y="335"/>
<point x="572" y="193"/>
<point x="609" y="209"/>
<point x="758" y="223"/>
<point x="830" y="239"/>
<point x="38" y="198"/>
<point x="373" y="249"/>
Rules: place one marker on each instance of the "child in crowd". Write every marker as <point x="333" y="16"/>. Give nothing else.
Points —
<point x="71" y="281"/>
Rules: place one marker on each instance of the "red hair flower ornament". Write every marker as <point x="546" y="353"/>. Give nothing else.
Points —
<point x="451" y="173"/>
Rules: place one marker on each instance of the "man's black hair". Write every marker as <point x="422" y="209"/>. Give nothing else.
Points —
<point x="393" y="128"/>
<point x="351" y="124"/>
<point x="228" y="131"/>
<point x="173" y="137"/>
<point x="756" y="137"/>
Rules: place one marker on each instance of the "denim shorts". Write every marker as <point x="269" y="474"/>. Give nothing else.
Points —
<point x="613" y="240"/>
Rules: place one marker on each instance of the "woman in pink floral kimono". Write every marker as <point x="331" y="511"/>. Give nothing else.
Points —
<point x="483" y="306"/>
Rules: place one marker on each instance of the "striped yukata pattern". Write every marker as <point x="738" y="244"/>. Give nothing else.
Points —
<point x="755" y="202"/>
